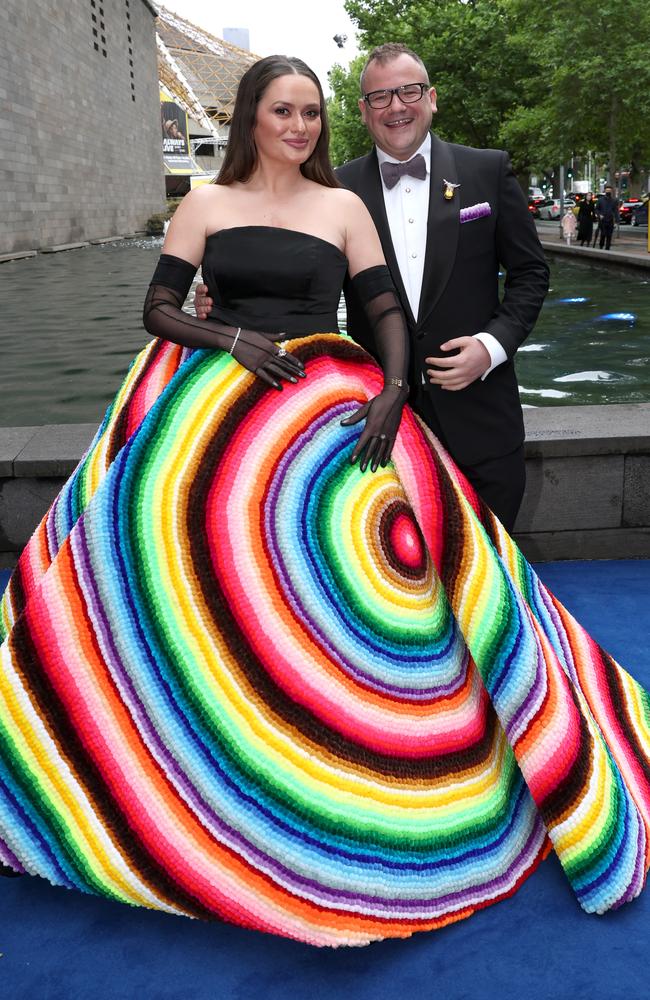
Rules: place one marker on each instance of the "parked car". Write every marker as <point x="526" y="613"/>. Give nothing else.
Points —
<point x="640" y="214"/>
<point x="626" y="209"/>
<point x="550" y="209"/>
<point x="534" y="202"/>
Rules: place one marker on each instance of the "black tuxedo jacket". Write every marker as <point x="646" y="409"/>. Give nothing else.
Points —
<point x="460" y="291"/>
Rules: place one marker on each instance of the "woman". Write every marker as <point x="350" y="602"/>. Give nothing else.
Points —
<point x="241" y="678"/>
<point x="586" y="216"/>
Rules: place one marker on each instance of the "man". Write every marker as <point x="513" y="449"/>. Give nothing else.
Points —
<point x="445" y="265"/>
<point x="607" y="216"/>
<point x="445" y="235"/>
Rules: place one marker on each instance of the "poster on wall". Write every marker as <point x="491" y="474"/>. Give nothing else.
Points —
<point x="175" y="141"/>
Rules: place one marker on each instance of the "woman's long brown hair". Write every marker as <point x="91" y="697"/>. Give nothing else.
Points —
<point x="241" y="154"/>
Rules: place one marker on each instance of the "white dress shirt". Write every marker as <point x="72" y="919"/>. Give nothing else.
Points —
<point x="407" y="210"/>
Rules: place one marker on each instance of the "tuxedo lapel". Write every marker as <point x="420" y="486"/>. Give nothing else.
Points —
<point x="442" y="227"/>
<point x="371" y="192"/>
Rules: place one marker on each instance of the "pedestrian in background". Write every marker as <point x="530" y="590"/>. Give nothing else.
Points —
<point x="586" y="216"/>
<point x="569" y="226"/>
<point x="607" y="216"/>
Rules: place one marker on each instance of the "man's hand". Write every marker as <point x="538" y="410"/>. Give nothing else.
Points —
<point x="460" y="370"/>
<point x="202" y="302"/>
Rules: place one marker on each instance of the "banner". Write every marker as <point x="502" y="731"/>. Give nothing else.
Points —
<point x="175" y="141"/>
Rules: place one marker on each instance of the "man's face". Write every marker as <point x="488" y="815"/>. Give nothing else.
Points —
<point x="400" y="128"/>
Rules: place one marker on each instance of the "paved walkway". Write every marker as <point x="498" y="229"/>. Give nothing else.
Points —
<point x="629" y="246"/>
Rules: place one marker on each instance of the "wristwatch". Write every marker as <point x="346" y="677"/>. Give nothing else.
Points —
<point x="401" y="383"/>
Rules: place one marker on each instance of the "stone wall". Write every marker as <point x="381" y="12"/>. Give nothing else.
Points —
<point x="80" y="146"/>
<point x="587" y="483"/>
<point x="588" y="492"/>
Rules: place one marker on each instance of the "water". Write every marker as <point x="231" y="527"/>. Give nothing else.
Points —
<point x="71" y="323"/>
<point x="591" y="343"/>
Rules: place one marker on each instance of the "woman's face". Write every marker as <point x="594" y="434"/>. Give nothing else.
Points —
<point x="288" y="122"/>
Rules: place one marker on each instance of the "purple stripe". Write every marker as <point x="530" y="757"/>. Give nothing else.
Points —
<point x="533" y="692"/>
<point x="7" y="857"/>
<point x="560" y="631"/>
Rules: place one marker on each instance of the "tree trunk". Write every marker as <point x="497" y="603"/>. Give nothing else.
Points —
<point x="613" y="115"/>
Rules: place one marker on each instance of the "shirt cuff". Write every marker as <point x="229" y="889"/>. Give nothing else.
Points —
<point x="494" y="349"/>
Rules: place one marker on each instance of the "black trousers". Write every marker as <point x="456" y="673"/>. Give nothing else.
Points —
<point x="500" y="481"/>
<point x="606" y="230"/>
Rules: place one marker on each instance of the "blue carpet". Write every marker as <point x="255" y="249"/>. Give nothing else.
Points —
<point x="59" y="945"/>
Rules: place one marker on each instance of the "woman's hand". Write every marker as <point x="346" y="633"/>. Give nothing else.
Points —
<point x="255" y="351"/>
<point x="260" y="355"/>
<point x="382" y="415"/>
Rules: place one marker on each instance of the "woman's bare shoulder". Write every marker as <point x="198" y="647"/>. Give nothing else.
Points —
<point x="204" y="196"/>
<point x="345" y="199"/>
<point x="202" y="205"/>
<point x="346" y="206"/>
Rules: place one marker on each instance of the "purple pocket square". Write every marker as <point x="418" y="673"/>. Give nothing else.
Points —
<point x="475" y="212"/>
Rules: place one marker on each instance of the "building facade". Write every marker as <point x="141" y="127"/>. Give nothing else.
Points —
<point x="80" y="132"/>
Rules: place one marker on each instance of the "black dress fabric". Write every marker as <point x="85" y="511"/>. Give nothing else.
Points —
<point x="297" y="285"/>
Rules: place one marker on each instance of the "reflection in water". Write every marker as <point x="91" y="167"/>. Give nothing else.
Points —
<point x="72" y="323"/>
<point x="589" y="377"/>
<point x="592" y="338"/>
<point x="619" y="317"/>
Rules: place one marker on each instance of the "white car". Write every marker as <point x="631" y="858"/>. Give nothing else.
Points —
<point x="551" y="209"/>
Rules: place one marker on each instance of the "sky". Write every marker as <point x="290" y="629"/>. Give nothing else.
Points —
<point x="303" y="28"/>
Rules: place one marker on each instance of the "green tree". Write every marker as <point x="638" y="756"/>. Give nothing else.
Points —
<point x="468" y="52"/>
<point x="594" y="88"/>
<point x="349" y="138"/>
<point x="541" y="80"/>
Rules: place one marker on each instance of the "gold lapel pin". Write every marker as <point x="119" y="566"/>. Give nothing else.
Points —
<point x="450" y="187"/>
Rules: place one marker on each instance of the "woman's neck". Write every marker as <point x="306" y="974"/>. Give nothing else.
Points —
<point x="276" y="181"/>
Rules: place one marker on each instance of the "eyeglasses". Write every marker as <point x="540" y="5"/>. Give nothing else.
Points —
<point x="409" y="93"/>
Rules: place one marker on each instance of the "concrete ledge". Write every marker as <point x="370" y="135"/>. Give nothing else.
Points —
<point x="587" y="495"/>
<point x="52" y="450"/>
<point x="610" y="256"/>
<point x="550" y="546"/>
<point x="64" y="246"/>
<point x="554" y="431"/>
<point x="12" y="442"/>
<point x="18" y="255"/>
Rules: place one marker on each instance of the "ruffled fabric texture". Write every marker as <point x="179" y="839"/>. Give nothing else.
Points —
<point x="241" y="680"/>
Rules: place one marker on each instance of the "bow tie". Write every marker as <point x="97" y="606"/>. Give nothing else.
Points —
<point x="391" y="172"/>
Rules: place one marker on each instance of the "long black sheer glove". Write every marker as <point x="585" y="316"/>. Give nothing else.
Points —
<point x="383" y="413"/>
<point x="163" y="317"/>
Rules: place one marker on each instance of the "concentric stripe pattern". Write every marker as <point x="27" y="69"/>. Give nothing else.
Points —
<point x="242" y="680"/>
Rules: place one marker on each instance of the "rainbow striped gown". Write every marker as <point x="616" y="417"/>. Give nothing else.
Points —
<point x="241" y="680"/>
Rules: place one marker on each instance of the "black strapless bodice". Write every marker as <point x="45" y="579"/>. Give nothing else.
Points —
<point x="274" y="280"/>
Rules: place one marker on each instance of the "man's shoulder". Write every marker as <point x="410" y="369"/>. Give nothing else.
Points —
<point x="349" y="171"/>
